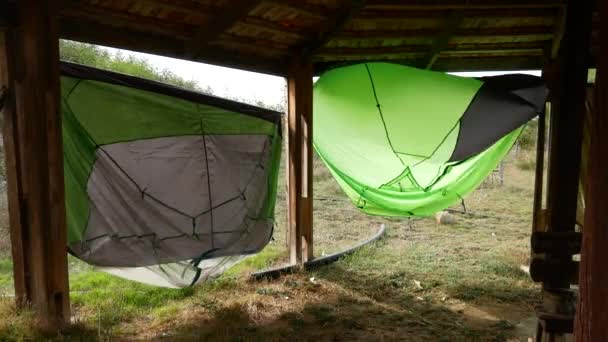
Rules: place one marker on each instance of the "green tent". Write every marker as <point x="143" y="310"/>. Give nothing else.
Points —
<point x="407" y="142"/>
<point x="164" y="185"/>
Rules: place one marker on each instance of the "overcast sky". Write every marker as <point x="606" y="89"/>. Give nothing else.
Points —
<point x="238" y="83"/>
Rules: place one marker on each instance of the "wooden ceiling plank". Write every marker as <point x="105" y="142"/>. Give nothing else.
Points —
<point x="428" y="13"/>
<point x="483" y="63"/>
<point x="182" y="6"/>
<point x="274" y="27"/>
<point x="540" y="30"/>
<point x="125" y="19"/>
<point x="342" y="18"/>
<point x="461" y="5"/>
<point x="232" y="14"/>
<point x="443" y="39"/>
<point x="301" y="8"/>
<point x="423" y="48"/>
<point x="96" y="33"/>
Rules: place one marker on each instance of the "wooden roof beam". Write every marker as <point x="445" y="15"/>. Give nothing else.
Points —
<point x="560" y="28"/>
<point x="183" y="6"/>
<point x="477" y="63"/>
<point x="443" y="39"/>
<point x="96" y="33"/>
<point x="220" y="24"/>
<point x="385" y="50"/>
<point x="534" y="30"/>
<point x="123" y="19"/>
<point x="340" y="20"/>
<point x="301" y="8"/>
<point x="463" y="5"/>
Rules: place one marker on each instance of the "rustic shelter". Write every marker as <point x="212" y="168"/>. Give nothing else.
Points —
<point x="298" y="39"/>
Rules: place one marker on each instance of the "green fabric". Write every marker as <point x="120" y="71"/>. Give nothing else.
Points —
<point x="392" y="160"/>
<point x="97" y="113"/>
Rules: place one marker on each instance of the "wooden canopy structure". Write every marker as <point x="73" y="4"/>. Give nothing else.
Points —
<point x="298" y="39"/>
<point x="263" y="35"/>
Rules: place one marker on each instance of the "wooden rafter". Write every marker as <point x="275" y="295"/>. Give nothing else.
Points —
<point x="220" y="24"/>
<point x="124" y="19"/>
<point x="186" y="6"/>
<point x="96" y="33"/>
<point x="457" y="48"/>
<point x="457" y="5"/>
<point x="471" y="13"/>
<point x="276" y="28"/>
<point x="443" y="39"/>
<point x="301" y="8"/>
<point x="342" y="17"/>
<point x="558" y="34"/>
<point x="536" y="30"/>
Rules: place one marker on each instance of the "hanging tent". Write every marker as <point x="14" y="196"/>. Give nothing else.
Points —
<point x="407" y="142"/>
<point x="164" y="185"/>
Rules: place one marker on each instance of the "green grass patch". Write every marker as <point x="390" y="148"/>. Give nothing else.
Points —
<point x="113" y="300"/>
<point x="6" y="274"/>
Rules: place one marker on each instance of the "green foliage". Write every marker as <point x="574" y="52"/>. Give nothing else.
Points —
<point x="527" y="139"/>
<point x="98" y="57"/>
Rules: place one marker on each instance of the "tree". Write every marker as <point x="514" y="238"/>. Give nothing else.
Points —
<point x="98" y="57"/>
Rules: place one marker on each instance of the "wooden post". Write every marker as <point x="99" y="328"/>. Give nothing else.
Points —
<point x="539" y="174"/>
<point x="567" y="79"/>
<point x="568" y="93"/>
<point x="592" y="314"/>
<point x="299" y="166"/>
<point x="29" y="69"/>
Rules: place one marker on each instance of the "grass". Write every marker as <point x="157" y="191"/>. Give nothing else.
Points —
<point x="422" y="281"/>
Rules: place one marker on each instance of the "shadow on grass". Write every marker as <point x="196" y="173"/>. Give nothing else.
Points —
<point x="362" y="307"/>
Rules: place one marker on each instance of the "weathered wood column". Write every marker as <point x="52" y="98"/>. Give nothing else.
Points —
<point x="555" y="243"/>
<point x="592" y="311"/>
<point x="29" y="72"/>
<point x="299" y="165"/>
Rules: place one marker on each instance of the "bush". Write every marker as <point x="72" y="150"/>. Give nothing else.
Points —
<point x="527" y="139"/>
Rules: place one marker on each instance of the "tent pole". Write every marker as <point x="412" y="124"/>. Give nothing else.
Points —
<point x="29" y="71"/>
<point x="299" y="165"/>
<point x="592" y="316"/>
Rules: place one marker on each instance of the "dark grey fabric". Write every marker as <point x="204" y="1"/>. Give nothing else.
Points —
<point x="163" y="200"/>
<point x="502" y="104"/>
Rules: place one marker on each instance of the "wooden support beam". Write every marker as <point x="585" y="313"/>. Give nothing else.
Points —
<point x="568" y="93"/>
<point x="567" y="80"/>
<point x="452" y="22"/>
<point x="592" y="314"/>
<point x="539" y="175"/>
<point x="29" y="70"/>
<point x="220" y="24"/>
<point x="299" y="165"/>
